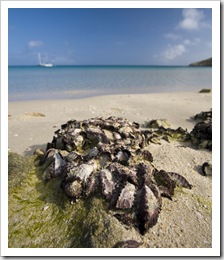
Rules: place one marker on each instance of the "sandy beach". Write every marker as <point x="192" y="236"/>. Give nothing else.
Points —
<point x="184" y="222"/>
<point x="32" y="123"/>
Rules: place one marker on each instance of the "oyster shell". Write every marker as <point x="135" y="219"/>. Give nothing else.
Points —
<point x="53" y="164"/>
<point x="148" y="209"/>
<point x="127" y="197"/>
<point x="107" y="182"/>
<point x="106" y="157"/>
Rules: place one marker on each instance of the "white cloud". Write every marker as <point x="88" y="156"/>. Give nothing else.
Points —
<point x="187" y="42"/>
<point x="192" y="19"/>
<point x="191" y="42"/>
<point x="33" y="44"/>
<point x="174" y="51"/>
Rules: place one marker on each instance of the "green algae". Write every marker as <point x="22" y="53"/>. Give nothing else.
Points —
<point x="199" y="137"/>
<point x="160" y="130"/>
<point x="156" y="123"/>
<point x="18" y="167"/>
<point x="100" y="229"/>
<point x="39" y="213"/>
<point x="205" y="90"/>
<point x="41" y="216"/>
<point x="203" y="203"/>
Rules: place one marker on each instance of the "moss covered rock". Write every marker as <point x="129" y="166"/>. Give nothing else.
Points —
<point x="156" y="123"/>
<point x="160" y="130"/>
<point x="41" y="216"/>
<point x="200" y="137"/>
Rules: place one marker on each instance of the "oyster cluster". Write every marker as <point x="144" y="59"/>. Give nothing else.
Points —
<point x="201" y="135"/>
<point x="108" y="158"/>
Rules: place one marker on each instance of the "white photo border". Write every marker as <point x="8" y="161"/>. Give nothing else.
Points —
<point x="215" y="250"/>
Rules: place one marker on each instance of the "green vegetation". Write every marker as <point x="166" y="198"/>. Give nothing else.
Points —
<point x="205" y="90"/>
<point x="41" y="216"/>
<point x="160" y="130"/>
<point x="39" y="213"/>
<point x="204" y="203"/>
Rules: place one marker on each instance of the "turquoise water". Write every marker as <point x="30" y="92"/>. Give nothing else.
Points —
<point x="62" y="82"/>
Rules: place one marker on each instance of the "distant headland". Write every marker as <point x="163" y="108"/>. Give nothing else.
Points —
<point x="207" y="62"/>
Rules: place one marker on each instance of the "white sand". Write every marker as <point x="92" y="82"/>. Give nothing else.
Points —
<point x="184" y="222"/>
<point x="26" y="132"/>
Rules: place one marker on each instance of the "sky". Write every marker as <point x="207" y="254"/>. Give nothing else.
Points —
<point x="109" y="36"/>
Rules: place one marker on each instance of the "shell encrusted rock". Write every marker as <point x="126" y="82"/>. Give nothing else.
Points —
<point x="109" y="158"/>
<point x="201" y="135"/>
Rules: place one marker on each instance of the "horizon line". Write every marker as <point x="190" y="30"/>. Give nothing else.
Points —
<point x="99" y="65"/>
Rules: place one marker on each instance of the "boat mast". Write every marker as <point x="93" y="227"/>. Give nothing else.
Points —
<point x="44" y="64"/>
<point x="39" y="59"/>
<point x="46" y="58"/>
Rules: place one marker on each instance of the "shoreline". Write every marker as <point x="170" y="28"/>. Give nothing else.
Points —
<point x="91" y="93"/>
<point x="32" y="123"/>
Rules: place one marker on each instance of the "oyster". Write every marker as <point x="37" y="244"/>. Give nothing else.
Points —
<point x="201" y="135"/>
<point x="127" y="196"/>
<point x="107" y="157"/>
<point x="128" y="244"/>
<point x="52" y="163"/>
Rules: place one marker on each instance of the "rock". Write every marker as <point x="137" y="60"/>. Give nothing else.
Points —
<point x="160" y="130"/>
<point x="156" y="123"/>
<point x="207" y="169"/>
<point x="205" y="90"/>
<point x="203" y="116"/>
<point x="101" y="230"/>
<point x="128" y="244"/>
<point x="201" y="135"/>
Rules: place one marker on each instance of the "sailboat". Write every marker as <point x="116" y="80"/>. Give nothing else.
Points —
<point x="45" y="64"/>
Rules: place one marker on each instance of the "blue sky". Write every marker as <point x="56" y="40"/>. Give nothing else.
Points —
<point x="111" y="36"/>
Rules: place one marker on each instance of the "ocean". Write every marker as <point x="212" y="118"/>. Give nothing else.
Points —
<point x="68" y="82"/>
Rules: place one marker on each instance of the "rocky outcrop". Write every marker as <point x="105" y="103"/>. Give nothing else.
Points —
<point x="201" y="135"/>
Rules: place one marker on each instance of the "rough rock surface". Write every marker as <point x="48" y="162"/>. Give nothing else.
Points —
<point x="201" y="135"/>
